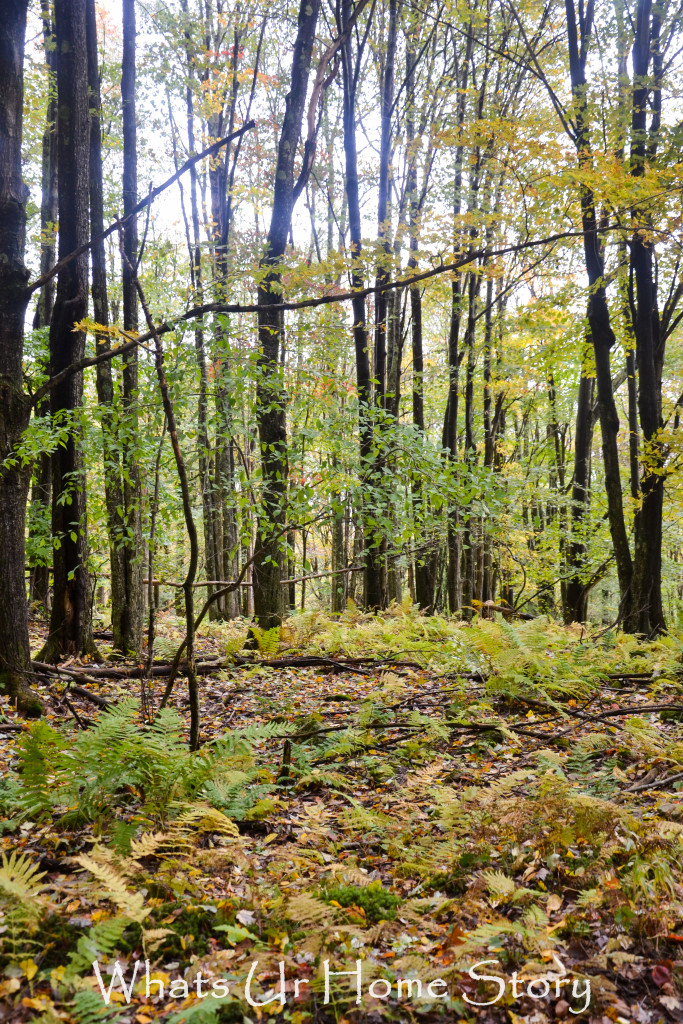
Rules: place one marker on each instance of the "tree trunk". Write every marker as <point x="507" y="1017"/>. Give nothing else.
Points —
<point x="70" y="621"/>
<point x="15" y="655"/>
<point x="338" y="585"/>
<point x="647" y="613"/>
<point x="113" y="491"/>
<point x="576" y="592"/>
<point x="41" y="491"/>
<point x="426" y="559"/>
<point x="128" y="621"/>
<point x="598" y="313"/>
<point x="383" y="269"/>
<point x="372" y="577"/>
<point x="270" y="396"/>
<point x="450" y="426"/>
<point x="212" y="562"/>
<point x="470" y="546"/>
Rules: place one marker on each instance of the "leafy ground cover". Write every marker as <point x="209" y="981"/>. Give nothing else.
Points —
<point x="408" y="792"/>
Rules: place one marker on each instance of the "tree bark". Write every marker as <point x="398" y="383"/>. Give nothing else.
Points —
<point x="598" y="312"/>
<point x="128" y="624"/>
<point x="372" y="575"/>
<point x="450" y="426"/>
<point x="15" y="656"/>
<point x="647" y="613"/>
<point x="576" y="592"/>
<point x="70" y="621"/>
<point x="377" y="584"/>
<point x="113" y="490"/>
<point x="270" y="396"/>
<point x="41" y="491"/>
<point x="213" y="564"/>
<point x="425" y="560"/>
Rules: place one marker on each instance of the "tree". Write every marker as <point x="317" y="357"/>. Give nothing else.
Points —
<point x="71" y="617"/>
<point x="350" y="73"/>
<point x="119" y="550"/>
<point x="270" y="400"/>
<point x="127" y="614"/>
<point x="41" y="491"/>
<point x="14" y="404"/>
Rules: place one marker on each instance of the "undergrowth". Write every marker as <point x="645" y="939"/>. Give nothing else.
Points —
<point x="393" y="827"/>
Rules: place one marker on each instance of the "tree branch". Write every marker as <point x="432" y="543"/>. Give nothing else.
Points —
<point x="153" y="194"/>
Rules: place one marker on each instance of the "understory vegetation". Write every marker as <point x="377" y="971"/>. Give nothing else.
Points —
<point x="411" y="792"/>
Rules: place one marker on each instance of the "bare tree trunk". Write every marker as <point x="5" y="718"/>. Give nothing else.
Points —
<point x="470" y="548"/>
<point x="339" y="580"/>
<point x="70" y="621"/>
<point x="647" y="613"/>
<point x="576" y="591"/>
<point x="41" y="491"/>
<point x="598" y="313"/>
<point x="212" y="560"/>
<point x="129" y="618"/>
<point x="450" y="426"/>
<point x="270" y="397"/>
<point x="113" y="489"/>
<point x="424" y="579"/>
<point x="15" y="656"/>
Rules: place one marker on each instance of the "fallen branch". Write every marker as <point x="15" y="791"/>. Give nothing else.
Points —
<point x="637" y="710"/>
<point x="656" y="785"/>
<point x="81" y="691"/>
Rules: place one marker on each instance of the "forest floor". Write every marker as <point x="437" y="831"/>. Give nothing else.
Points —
<point x="411" y="793"/>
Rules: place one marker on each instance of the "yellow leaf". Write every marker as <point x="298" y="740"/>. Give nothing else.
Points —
<point x="554" y="903"/>
<point x="10" y="986"/>
<point x="161" y="976"/>
<point x="36" y="1004"/>
<point x="29" y="967"/>
<point x="269" y="838"/>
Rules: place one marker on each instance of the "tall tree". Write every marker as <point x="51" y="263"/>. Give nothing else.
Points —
<point x="350" y="74"/>
<point x="579" y="31"/>
<point x="41" y="490"/>
<point x="71" y="617"/>
<point x="14" y="405"/>
<point x="647" y="613"/>
<point x="111" y="450"/>
<point x="270" y="397"/>
<point x="128" y="616"/>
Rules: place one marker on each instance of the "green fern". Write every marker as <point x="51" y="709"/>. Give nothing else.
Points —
<point x="99" y="943"/>
<point x="268" y="640"/>
<point x="22" y="905"/>
<point x="88" y="1008"/>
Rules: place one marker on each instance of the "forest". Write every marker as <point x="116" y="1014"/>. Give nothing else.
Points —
<point x="341" y="460"/>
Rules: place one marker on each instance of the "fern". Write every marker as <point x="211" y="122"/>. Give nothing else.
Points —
<point x="89" y="1008"/>
<point x="99" y="865"/>
<point x="310" y="912"/>
<point x="203" y="818"/>
<point x="99" y="943"/>
<point x="500" y="887"/>
<point x="268" y="640"/>
<point x="147" y="845"/>
<point x="206" y="1011"/>
<point x="22" y="904"/>
<point x="120" y="765"/>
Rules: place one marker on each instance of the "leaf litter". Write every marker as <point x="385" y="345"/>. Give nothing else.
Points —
<point x="403" y="790"/>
